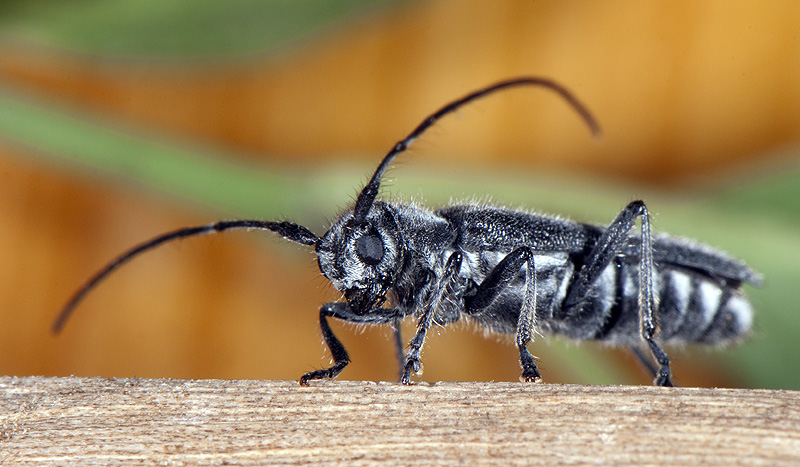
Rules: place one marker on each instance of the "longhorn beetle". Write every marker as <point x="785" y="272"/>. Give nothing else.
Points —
<point x="510" y="271"/>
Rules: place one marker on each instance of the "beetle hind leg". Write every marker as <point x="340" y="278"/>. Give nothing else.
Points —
<point x="608" y="246"/>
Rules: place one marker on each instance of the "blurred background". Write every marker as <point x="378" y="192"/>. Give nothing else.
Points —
<point x="123" y="120"/>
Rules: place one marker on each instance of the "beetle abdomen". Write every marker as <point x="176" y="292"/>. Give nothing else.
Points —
<point x="690" y="308"/>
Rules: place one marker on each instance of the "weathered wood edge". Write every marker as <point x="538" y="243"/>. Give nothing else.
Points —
<point x="101" y="421"/>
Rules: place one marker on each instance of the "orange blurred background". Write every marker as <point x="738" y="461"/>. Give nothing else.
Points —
<point x="687" y="93"/>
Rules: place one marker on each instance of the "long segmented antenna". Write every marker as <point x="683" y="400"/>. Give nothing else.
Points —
<point x="299" y="234"/>
<point x="368" y="194"/>
<point x="288" y="230"/>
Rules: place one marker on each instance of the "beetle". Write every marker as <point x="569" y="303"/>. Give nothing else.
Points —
<point x="509" y="271"/>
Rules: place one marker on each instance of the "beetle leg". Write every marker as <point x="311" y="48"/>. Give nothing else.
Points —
<point x="341" y="358"/>
<point x="397" y="332"/>
<point x="491" y="288"/>
<point x="412" y="362"/>
<point x="609" y="245"/>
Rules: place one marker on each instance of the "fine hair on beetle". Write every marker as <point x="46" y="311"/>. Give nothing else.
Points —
<point x="508" y="271"/>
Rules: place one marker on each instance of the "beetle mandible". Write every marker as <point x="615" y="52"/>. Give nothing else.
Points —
<point x="510" y="271"/>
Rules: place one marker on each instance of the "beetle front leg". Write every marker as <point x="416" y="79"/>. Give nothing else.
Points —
<point x="415" y="346"/>
<point x="341" y="358"/>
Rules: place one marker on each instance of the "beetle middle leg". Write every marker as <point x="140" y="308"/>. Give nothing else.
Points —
<point x="647" y="365"/>
<point x="397" y="333"/>
<point x="607" y="247"/>
<point x="491" y="288"/>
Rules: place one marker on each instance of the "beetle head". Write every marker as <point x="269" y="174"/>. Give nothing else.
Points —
<point x="362" y="257"/>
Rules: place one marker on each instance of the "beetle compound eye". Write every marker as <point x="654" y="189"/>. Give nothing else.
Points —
<point x="369" y="249"/>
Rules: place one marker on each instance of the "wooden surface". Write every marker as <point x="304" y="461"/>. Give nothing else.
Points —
<point x="97" y="421"/>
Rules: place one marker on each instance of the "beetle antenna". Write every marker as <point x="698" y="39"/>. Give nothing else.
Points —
<point x="288" y="230"/>
<point x="368" y="194"/>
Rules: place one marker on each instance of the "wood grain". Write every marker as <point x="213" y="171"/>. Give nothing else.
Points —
<point x="98" y="421"/>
